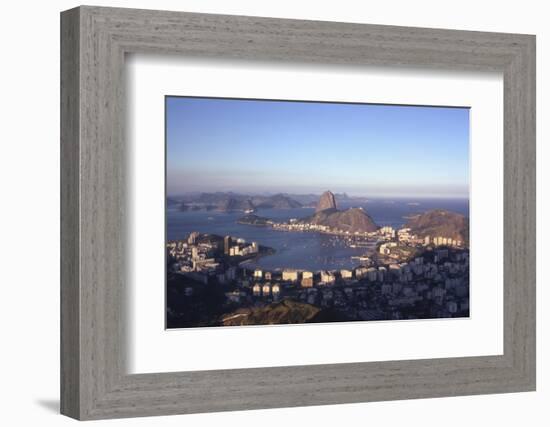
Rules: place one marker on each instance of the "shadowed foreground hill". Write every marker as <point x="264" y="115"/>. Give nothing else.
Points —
<point x="284" y="312"/>
<point x="280" y="313"/>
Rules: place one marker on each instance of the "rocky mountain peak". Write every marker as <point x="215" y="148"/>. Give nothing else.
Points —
<point x="326" y="201"/>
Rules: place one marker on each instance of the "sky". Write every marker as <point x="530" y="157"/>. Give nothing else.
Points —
<point x="260" y="146"/>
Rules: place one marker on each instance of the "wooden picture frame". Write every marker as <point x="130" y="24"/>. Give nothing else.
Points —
<point x="94" y="41"/>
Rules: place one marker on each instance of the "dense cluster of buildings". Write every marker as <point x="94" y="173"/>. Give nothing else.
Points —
<point x="435" y="283"/>
<point x="387" y="233"/>
<point x="203" y="257"/>
<point x="295" y="225"/>
<point x="405" y="235"/>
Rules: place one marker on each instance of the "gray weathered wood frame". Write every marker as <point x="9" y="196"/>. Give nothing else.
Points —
<point x="94" y="41"/>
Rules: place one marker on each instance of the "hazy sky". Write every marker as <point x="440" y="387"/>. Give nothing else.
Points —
<point x="301" y="147"/>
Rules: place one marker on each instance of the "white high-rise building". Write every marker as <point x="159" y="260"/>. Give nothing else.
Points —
<point x="327" y="277"/>
<point x="346" y="274"/>
<point x="290" y="275"/>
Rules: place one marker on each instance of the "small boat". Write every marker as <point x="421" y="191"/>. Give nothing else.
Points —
<point x="249" y="211"/>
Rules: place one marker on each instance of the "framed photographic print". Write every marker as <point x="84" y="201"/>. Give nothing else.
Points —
<point x="263" y="213"/>
<point x="253" y="239"/>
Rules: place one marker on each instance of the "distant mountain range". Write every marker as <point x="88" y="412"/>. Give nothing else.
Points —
<point x="230" y="202"/>
<point x="432" y="223"/>
<point x="277" y="201"/>
<point x="215" y="200"/>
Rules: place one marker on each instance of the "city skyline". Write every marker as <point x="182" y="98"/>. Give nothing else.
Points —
<point x="239" y="266"/>
<point x="264" y="146"/>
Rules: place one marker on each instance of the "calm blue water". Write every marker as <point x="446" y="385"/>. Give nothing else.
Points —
<point x="309" y="251"/>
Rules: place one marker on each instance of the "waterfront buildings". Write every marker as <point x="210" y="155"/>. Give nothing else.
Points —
<point x="307" y="279"/>
<point x="327" y="278"/>
<point x="290" y="275"/>
<point x="346" y="274"/>
<point x="399" y="280"/>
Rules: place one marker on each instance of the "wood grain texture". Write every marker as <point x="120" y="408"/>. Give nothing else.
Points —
<point x="70" y="333"/>
<point x="94" y="381"/>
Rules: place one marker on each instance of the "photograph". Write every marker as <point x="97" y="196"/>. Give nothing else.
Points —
<point x="269" y="211"/>
<point x="296" y="212"/>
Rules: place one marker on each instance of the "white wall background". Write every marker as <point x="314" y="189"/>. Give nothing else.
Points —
<point x="29" y="224"/>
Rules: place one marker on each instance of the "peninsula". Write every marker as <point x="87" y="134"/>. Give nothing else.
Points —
<point x="327" y="219"/>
